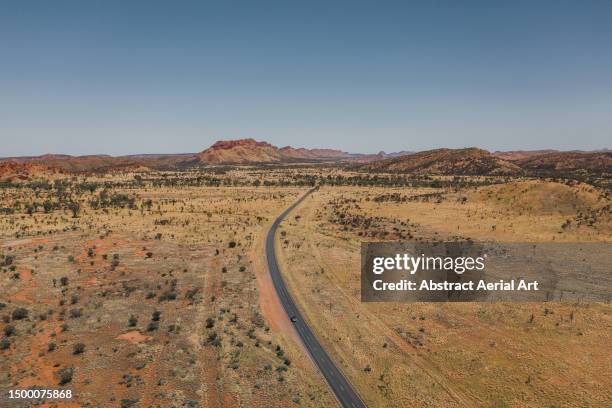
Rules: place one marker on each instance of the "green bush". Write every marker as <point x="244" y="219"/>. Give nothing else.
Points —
<point x="20" y="313"/>
<point x="65" y="376"/>
<point x="9" y="330"/>
<point x="78" y="348"/>
<point x="153" y="325"/>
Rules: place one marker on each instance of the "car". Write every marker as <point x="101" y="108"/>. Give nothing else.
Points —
<point x="293" y="319"/>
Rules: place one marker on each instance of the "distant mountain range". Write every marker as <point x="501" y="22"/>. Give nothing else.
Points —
<point x="523" y="154"/>
<point x="474" y="161"/>
<point x="468" y="161"/>
<point x="593" y="162"/>
<point x="246" y="151"/>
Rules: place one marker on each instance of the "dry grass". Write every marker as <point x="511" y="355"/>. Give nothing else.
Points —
<point x="432" y="354"/>
<point x="164" y="297"/>
<point x="156" y="243"/>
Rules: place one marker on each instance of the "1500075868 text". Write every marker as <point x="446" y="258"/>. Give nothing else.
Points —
<point x="40" y="394"/>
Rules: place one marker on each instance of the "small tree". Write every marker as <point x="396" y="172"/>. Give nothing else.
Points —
<point x="47" y="206"/>
<point x="75" y="208"/>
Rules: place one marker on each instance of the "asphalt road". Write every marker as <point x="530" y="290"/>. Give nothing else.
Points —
<point x="345" y="393"/>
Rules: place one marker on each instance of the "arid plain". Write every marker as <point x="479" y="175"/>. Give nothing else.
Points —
<point x="450" y="354"/>
<point x="136" y="286"/>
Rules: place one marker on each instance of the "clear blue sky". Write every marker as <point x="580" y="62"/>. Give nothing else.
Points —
<point x="85" y="77"/>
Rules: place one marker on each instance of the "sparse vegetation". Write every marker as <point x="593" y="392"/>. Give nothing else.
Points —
<point x="169" y="264"/>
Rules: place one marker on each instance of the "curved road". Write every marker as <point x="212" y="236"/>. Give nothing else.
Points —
<point x="345" y="393"/>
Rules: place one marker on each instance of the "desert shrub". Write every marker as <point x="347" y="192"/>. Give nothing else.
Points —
<point x="75" y="313"/>
<point x="174" y="328"/>
<point x="122" y="200"/>
<point x="127" y="403"/>
<point x="114" y="262"/>
<point x="156" y="316"/>
<point x="5" y="343"/>
<point x="167" y="296"/>
<point x="8" y="260"/>
<point x="78" y="348"/>
<point x="132" y="321"/>
<point x="153" y="325"/>
<point x="20" y="313"/>
<point x="65" y="376"/>
<point x="51" y="346"/>
<point x="251" y="333"/>
<point x="191" y="293"/>
<point x="232" y="244"/>
<point x="64" y="281"/>
<point x="213" y="339"/>
<point x="9" y="330"/>
<point x="210" y="323"/>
